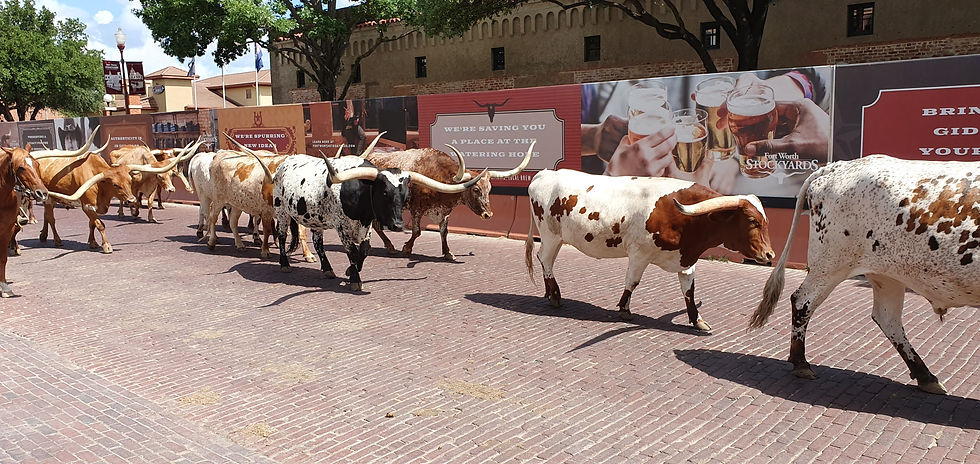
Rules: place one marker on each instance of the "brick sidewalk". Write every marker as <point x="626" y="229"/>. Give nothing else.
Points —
<point x="164" y="349"/>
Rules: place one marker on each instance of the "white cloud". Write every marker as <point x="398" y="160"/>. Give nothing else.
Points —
<point x="103" y="17"/>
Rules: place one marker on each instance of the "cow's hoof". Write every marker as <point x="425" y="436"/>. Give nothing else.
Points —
<point x="200" y="234"/>
<point x="625" y="315"/>
<point x="58" y="243"/>
<point x="449" y="257"/>
<point x="935" y="387"/>
<point x="285" y="269"/>
<point x="805" y="372"/>
<point x="391" y="250"/>
<point x="554" y="301"/>
<point x="43" y="238"/>
<point x="702" y="326"/>
<point x="6" y="293"/>
<point x="239" y="248"/>
<point x="356" y="286"/>
<point x="329" y="274"/>
<point x="107" y="249"/>
<point x="32" y="221"/>
<point x="309" y="258"/>
<point x="407" y="251"/>
<point x="257" y="242"/>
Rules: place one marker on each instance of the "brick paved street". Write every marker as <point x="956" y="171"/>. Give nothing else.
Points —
<point x="165" y="351"/>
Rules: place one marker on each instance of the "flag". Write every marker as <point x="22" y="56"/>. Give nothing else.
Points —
<point x="191" y="71"/>
<point x="258" y="58"/>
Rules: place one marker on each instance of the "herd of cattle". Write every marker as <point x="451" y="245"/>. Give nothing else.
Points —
<point x="902" y="224"/>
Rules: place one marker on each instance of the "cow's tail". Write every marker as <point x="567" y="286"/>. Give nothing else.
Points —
<point x="294" y="230"/>
<point x="774" y="286"/>
<point x="529" y="245"/>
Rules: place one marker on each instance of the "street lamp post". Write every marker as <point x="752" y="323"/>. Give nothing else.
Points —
<point x="121" y="44"/>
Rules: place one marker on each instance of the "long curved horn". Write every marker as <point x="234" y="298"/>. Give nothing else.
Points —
<point x="441" y="187"/>
<point x="148" y="168"/>
<point x="103" y="146"/>
<point x="340" y="150"/>
<point x="81" y="190"/>
<point x="373" y="143"/>
<point x="239" y="145"/>
<point x="461" y="174"/>
<point x="67" y="153"/>
<point x="188" y="153"/>
<point x="519" y="168"/>
<point x="274" y="147"/>
<point x="710" y="205"/>
<point x="350" y="174"/>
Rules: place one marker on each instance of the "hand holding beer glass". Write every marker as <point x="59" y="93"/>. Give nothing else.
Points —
<point x="648" y="109"/>
<point x="710" y="95"/>
<point x="646" y="148"/>
<point x="752" y="117"/>
<point x="691" y="137"/>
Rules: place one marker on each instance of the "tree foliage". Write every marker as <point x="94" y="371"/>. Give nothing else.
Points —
<point x="312" y="34"/>
<point x="45" y="65"/>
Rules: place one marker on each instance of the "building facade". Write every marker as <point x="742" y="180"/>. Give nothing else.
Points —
<point x="541" y="44"/>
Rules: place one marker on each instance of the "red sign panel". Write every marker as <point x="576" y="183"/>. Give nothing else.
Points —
<point x="134" y="72"/>
<point x="112" y="73"/>
<point x="939" y="123"/>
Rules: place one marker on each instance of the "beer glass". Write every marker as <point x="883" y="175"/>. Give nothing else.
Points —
<point x="709" y="95"/>
<point x="691" y="137"/>
<point x="648" y="109"/>
<point x="752" y="117"/>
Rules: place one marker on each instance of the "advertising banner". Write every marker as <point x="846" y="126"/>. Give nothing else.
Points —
<point x="133" y="129"/>
<point x="494" y="129"/>
<point x="73" y="132"/>
<point x="353" y="124"/>
<point x="274" y="128"/>
<point x="9" y="137"/>
<point x="113" y="77"/>
<point x="758" y="132"/>
<point x="134" y="72"/>
<point x="918" y="110"/>
<point x="40" y="134"/>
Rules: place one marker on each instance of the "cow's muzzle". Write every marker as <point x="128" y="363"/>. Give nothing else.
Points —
<point x="486" y="215"/>
<point x="40" y="195"/>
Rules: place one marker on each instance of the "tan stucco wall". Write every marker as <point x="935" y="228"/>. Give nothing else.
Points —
<point x="545" y="45"/>
<point x="177" y="94"/>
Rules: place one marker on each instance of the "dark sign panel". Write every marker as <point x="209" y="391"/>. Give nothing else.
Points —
<point x="113" y="77"/>
<point x="134" y="72"/>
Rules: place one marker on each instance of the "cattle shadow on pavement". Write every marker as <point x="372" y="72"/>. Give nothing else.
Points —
<point x="574" y="309"/>
<point x="836" y="388"/>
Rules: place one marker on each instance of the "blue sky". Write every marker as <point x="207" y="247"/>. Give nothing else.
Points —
<point x="104" y="17"/>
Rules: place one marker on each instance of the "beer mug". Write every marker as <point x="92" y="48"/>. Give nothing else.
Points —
<point x="752" y="117"/>
<point x="691" y="137"/>
<point x="648" y="110"/>
<point x="709" y="95"/>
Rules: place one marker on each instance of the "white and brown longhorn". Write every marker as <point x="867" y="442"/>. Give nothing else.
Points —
<point x="903" y="225"/>
<point x="650" y="220"/>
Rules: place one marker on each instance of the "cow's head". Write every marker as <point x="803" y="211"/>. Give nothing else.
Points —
<point x="23" y="172"/>
<point x="741" y="221"/>
<point x="477" y="198"/>
<point x="116" y="182"/>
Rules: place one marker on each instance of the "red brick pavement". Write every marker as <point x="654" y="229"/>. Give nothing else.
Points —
<point x="164" y="349"/>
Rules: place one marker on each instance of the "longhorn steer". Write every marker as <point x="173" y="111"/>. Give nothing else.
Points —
<point x="243" y="181"/>
<point x="903" y="224"/>
<point x="645" y="219"/>
<point x="17" y="173"/>
<point x="148" y="184"/>
<point x="94" y="183"/>
<point x="423" y="201"/>
<point x="310" y="191"/>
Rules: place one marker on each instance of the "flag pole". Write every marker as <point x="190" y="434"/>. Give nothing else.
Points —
<point x="224" y="101"/>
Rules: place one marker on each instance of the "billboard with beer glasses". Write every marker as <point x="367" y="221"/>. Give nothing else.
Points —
<point x="755" y="132"/>
<point x="920" y="110"/>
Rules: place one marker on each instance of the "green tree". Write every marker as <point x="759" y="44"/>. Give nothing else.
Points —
<point x="313" y="34"/>
<point x="45" y="65"/>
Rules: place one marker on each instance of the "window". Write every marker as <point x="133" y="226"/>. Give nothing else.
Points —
<point x="248" y="93"/>
<point x="497" y="58"/>
<point x="860" y="19"/>
<point x="420" y="70"/>
<point x="300" y="79"/>
<point x="356" y="74"/>
<point x="592" y="48"/>
<point x="711" y="36"/>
